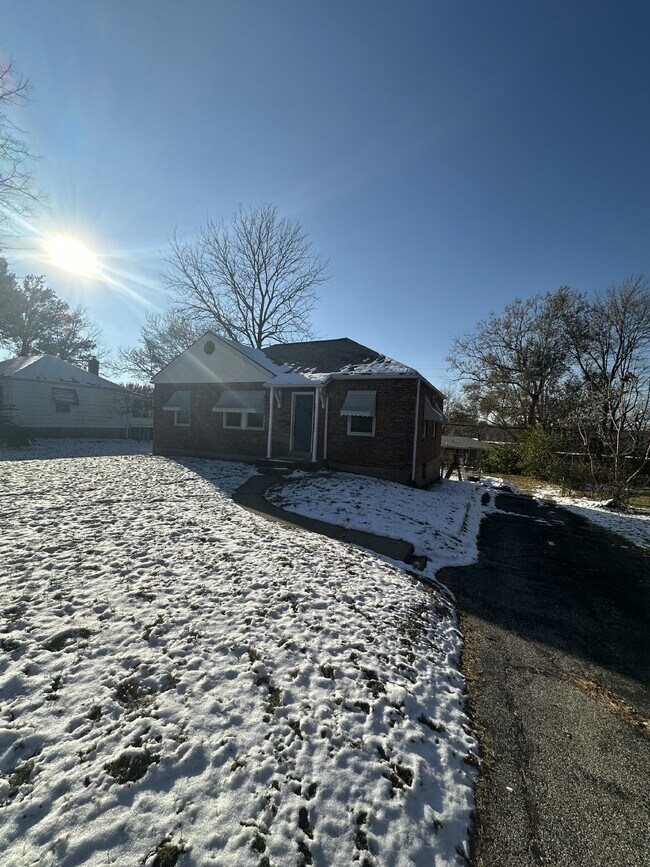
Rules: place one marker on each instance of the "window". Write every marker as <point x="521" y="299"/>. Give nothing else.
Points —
<point x="180" y="404"/>
<point x="242" y="410"/>
<point x="429" y="429"/>
<point x="64" y="398"/>
<point x="244" y="420"/>
<point x="360" y="408"/>
<point x="233" y="419"/>
<point x="361" y="425"/>
<point x="255" y="420"/>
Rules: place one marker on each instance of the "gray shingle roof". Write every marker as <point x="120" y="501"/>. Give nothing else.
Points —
<point x="324" y="356"/>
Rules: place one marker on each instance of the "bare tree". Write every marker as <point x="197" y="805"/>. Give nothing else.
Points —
<point x="162" y="337"/>
<point x="513" y="365"/>
<point x="253" y="281"/>
<point x="610" y="339"/>
<point x="17" y="191"/>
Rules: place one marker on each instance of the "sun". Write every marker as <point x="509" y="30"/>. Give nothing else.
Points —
<point x="72" y="256"/>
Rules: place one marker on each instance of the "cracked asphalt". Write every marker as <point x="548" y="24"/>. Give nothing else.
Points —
<point x="556" y="617"/>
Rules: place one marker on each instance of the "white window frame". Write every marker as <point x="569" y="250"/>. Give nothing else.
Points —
<point x="355" y="433"/>
<point x="178" y="423"/>
<point x="243" y="416"/>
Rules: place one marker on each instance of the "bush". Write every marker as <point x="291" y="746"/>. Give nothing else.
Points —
<point x="535" y="455"/>
<point x="539" y="454"/>
<point x="503" y="458"/>
<point x="12" y="434"/>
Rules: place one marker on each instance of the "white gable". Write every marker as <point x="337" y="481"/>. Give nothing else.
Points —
<point x="213" y="359"/>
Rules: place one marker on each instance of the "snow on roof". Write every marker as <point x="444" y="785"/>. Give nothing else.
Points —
<point x="380" y="367"/>
<point x="50" y="369"/>
<point x="259" y="356"/>
<point x="315" y="361"/>
<point x="287" y="380"/>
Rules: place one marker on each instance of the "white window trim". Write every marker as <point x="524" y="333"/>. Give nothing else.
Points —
<point x="178" y="423"/>
<point x="355" y="433"/>
<point x="244" y="421"/>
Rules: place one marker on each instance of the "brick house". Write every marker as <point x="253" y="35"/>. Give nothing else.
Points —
<point x="331" y="402"/>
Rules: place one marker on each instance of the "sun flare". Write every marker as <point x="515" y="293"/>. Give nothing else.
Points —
<point x="72" y="256"/>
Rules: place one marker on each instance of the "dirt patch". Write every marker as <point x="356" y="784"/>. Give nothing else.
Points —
<point x="165" y="854"/>
<point x="131" y="766"/>
<point x="613" y="704"/>
<point x="66" y="637"/>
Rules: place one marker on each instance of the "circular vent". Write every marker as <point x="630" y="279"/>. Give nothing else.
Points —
<point x="208" y="347"/>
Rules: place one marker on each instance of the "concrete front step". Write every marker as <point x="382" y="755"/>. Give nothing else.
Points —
<point x="284" y="464"/>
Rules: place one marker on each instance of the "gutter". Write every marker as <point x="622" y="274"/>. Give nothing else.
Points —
<point x="415" y="430"/>
<point x="327" y="412"/>
<point x="314" y="451"/>
<point x="270" y="436"/>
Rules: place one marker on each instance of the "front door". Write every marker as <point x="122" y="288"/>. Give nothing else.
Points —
<point x="303" y="423"/>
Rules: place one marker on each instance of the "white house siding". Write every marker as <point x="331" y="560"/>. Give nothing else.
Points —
<point x="101" y="411"/>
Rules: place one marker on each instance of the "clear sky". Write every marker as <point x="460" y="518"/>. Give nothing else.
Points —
<point x="445" y="155"/>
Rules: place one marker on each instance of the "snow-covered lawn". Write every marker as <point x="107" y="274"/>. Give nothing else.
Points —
<point x="179" y="677"/>
<point x="442" y="523"/>
<point x="63" y="447"/>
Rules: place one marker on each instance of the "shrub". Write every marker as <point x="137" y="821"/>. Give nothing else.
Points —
<point x="12" y="434"/>
<point x="539" y="453"/>
<point x="503" y="458"/>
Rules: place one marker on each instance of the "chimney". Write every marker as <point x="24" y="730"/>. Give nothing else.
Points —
<point x="93" y="365"/>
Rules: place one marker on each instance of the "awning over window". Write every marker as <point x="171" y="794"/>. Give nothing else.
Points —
<point x="66" y="395"/>
<point x="432" y="413"/>
<point x="240" y="401"/>
<point x="360" y="403"/>
<point x="179" y="401"/>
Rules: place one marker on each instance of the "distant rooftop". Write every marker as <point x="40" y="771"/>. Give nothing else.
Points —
<point x="48" y="368"/>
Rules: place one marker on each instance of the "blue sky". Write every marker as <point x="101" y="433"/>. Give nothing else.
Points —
<point x="445" y="156"/>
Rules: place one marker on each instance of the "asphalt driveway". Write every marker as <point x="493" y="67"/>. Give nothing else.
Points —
<point x="556" y="616"/>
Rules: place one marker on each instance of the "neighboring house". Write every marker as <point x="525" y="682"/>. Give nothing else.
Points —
<point x="54" y="398"/>
<point x="323" y="401"/>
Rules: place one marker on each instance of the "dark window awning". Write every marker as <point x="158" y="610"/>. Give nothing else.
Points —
<point x="240" y="401"/>
<point x="66" y="395"/>
<point x="432" y="413"/>
<point x="179" y="401"/>
<point x="360" y="403"/>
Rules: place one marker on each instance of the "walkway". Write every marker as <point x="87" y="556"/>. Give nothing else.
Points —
<point x="250" y="496"/>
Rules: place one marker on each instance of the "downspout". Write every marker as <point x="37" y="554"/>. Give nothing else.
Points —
<point x="415" y="431"/>
<point x="327" y="413"/>
<point x="268" y="444"/>
<point x="314" y="450"/>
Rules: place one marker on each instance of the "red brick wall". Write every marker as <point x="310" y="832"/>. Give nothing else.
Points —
<point x="206" y="432"/>
<point x="392" y="444"/>
<point x="391" y="449"/>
